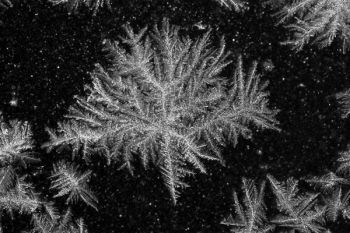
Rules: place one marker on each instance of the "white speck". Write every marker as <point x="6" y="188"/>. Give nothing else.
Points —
<point x="14" y="102"/>
<point x="200" y="25"/>
<point x="5" y="131"/>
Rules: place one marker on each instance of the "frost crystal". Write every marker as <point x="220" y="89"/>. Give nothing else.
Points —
<point x="165" y="100"/>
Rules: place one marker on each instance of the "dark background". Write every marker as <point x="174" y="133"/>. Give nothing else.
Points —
<point x="46" y="55"/>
